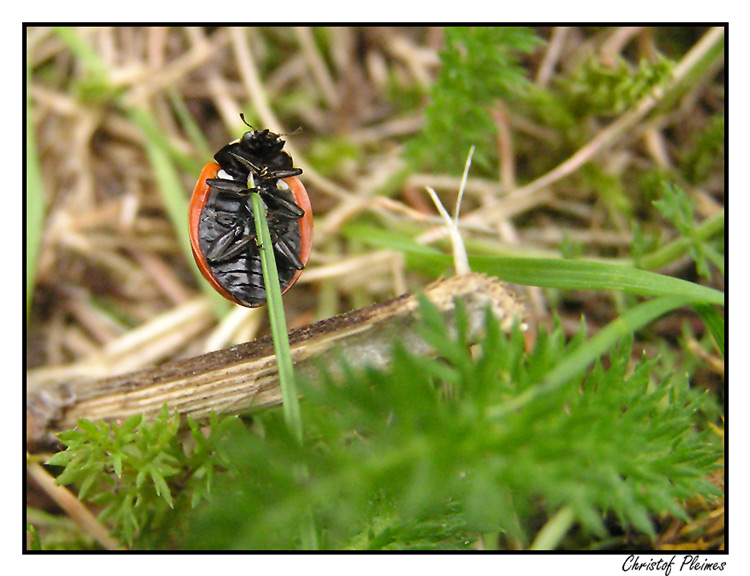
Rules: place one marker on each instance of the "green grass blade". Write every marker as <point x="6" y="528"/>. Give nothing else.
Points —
<point x="387" y="239"/>
<point x="34" y="205"/>
<point x="191" y="127"/>
<point x="551" y="272"/>
<point x="588" y="275"/>
<point x="175" y="199"/>
<point x="714" y="322"/>
<point x="577" y="275"/>
<point x="289" y="393"/>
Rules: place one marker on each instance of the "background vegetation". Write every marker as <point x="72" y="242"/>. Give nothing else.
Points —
<point x="599" y="158"/>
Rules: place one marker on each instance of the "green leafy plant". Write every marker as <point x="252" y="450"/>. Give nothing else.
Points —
<point x="479" y="67"/>
<point x="423" y="448"/>
<point x="138" y="471"/>
<point x="676" y="207"/>
<point x="706" y="154"/>
<point x="35" y="543"/>
<point x="598" y="89"/>
<point x="431" y="453"/>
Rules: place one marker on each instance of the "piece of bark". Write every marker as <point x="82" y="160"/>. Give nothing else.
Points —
<point x="245" y="376"/>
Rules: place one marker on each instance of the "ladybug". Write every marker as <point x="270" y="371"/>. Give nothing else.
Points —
<point x="222" y="227"/>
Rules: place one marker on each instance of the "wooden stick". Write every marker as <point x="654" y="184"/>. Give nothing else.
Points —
<point x="235" y="379"/>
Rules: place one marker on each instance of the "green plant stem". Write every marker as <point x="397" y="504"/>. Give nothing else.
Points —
<point x="713" y="322"/>
<point x="173" y="195"/>
<point x="676" y="248"/>
<point x="279" y="334"/>
<point x="554" y="530"/>
<point x="34" y="203"/>
<point x="188" y="122"/>
<point x="289" y="396"/>
<point x="82" y="49"/>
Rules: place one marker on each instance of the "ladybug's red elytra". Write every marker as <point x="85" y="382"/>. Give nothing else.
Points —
<point x="222" y="227"/>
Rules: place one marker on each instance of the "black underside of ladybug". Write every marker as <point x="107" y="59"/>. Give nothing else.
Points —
<point x="227" y="228"/>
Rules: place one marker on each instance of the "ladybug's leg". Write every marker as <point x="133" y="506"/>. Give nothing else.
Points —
<point x="256" y="170"/>
<point x="227" y="251"/>
<point x="265" y="173"/>
<point x="282" y="247"/>
<point x="235" y="189"/>
<point x="280" y="174"/>
<point x="219" y="247"/>
<point x="282" y="207"/>
<point x="229" y="187"/>
<point x="234" y="241"/>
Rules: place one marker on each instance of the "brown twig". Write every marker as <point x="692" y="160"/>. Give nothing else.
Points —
<point x="72" y="506"/>
<point x="236" y="379"/>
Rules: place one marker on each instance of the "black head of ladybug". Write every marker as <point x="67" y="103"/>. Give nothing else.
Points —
<point x="259" y="152"/>
<point x="263" y="144"/>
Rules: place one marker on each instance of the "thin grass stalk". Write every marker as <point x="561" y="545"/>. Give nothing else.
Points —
<point x="280" y="336"/>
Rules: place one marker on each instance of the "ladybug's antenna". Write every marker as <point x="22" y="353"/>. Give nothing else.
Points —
<point x="297" y="130"/>
<point x="245" y="121"/>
